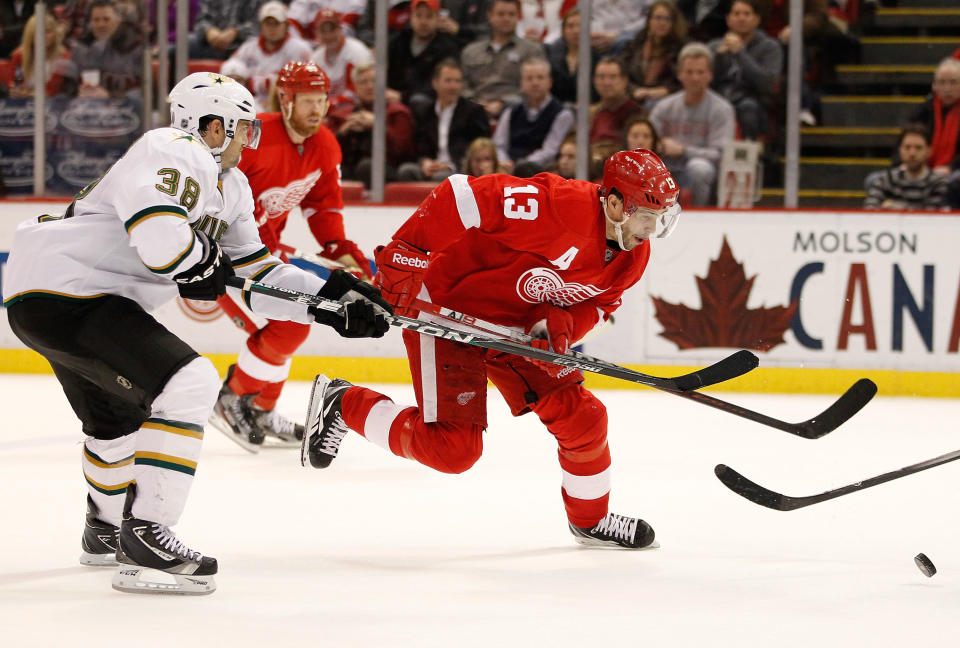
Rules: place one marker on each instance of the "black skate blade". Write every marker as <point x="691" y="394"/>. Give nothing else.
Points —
<point x="217" y="421"/>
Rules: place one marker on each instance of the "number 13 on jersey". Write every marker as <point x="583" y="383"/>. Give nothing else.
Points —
<point x="527" y="208"/>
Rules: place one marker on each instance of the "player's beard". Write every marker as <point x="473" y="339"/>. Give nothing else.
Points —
<point x="302" y="127"/>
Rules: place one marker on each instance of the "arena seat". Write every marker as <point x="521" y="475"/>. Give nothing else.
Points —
<point x="407" y="193"/>
<point x="352" y="191"/>
<point x="6" y="72"/>
<point x="194" y="65"/>
<point x="203" y="65"/>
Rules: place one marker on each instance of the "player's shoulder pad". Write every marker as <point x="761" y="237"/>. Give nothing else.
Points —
<point x="175" y="148"/>
<point x="237" y="195"/>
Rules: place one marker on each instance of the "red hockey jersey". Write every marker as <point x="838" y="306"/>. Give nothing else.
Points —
<point x="283" y="175"/>
<point x="501" y="246"/>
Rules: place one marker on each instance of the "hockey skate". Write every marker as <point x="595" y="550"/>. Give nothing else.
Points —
<point x="278" y="431"/>
<point x="325" y="428"/>
<point x="234" y="416"/>
<point x="616" y="531"/>
<point x="153" y="561"/>
<point x="99" y="541"/>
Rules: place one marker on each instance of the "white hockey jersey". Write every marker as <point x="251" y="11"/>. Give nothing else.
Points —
<point x="130" y="232"/>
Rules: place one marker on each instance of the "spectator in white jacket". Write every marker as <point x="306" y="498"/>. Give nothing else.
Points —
<point x="257" y="62"/>
<point x="338" y="53"/>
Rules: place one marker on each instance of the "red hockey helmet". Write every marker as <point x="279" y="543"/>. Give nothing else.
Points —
<point x="645" y="183"/>
<point x="642" y="179"/>
<point x="297" y="76"/>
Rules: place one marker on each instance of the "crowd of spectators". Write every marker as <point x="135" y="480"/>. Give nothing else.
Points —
<point x="683" y="77"/>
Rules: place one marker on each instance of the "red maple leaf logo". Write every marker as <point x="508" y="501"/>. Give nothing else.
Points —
<point x="724" y="320"/>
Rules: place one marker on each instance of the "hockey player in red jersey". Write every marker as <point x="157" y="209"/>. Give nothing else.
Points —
<point x="298" y="164"/>
<point x="549" y="256"/>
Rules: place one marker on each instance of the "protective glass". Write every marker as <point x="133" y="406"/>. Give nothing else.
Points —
<point x="253" y="139"/>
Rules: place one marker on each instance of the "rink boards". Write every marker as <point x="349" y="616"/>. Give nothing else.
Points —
<point x="822" y="297"/>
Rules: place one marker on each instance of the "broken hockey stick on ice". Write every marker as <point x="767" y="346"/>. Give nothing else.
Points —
<point x="858" y="395"/>
<point x="730" y="367"/>
<point x="779" y="502"/>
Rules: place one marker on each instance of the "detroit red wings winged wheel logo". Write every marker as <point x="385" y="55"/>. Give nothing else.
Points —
<point x="724" y="319"/>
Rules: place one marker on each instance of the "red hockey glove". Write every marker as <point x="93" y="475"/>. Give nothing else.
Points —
<point x="553" y="331"/>
<point x="400" y="269"/>
<point x="553" y="370"/>
<point x="337" y="250"/>
<point x="553" y="324"/>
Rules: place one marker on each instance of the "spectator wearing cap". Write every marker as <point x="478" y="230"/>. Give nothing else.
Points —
<point x="303" y="12"/>
<point x="443" y="131"/>
<point x="414" y="53"/>
<point x="491" y="66"/>
<point x="221" y="27"/>
<point x="528" y="135"/>
<point x="258" y="61"/>
<point x="351" y="119"/>
<point x="338" y="53"/>
<point x="109" y="58"/>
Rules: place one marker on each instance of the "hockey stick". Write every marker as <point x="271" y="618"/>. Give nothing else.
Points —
<point x="315" y="259"/>
<point x="778" y="502"/>
<point x="730" y="367"/>
<point x="236" y="314"/>
<point x="858" y="395"/>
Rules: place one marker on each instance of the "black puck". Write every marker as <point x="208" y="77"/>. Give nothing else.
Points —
<point x="925" y="565"/>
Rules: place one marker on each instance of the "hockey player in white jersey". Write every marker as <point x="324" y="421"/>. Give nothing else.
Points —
<point x="171" y="215"/>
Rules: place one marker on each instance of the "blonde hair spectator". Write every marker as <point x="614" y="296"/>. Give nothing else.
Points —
<point x="481" y="158"/>
<point x="58" y="66"/>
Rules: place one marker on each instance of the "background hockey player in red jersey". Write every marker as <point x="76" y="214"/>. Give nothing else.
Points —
<point x="546" y="255"/>
<point x="298" y="163"/>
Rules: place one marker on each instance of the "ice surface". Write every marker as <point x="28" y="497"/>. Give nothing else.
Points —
<point x="379" y="551"/>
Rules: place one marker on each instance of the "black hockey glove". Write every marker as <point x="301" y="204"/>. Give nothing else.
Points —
<point x="206" y="280"/>
<point x="363" y="311"/>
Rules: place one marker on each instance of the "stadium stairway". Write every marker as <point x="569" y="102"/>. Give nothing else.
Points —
<point x="864" y="108"/>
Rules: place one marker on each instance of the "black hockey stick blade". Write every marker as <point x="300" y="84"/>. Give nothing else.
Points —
<point x="851" y="402"/>
<point x="732" y="366"/>
<point x="738" y="362"/>
<point x="779" y="502"/>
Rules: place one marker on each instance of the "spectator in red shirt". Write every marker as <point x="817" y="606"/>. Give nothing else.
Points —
<point x="61" y="75"/>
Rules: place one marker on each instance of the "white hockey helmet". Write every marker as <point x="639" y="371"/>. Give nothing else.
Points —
<point x="204" y="94"/>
